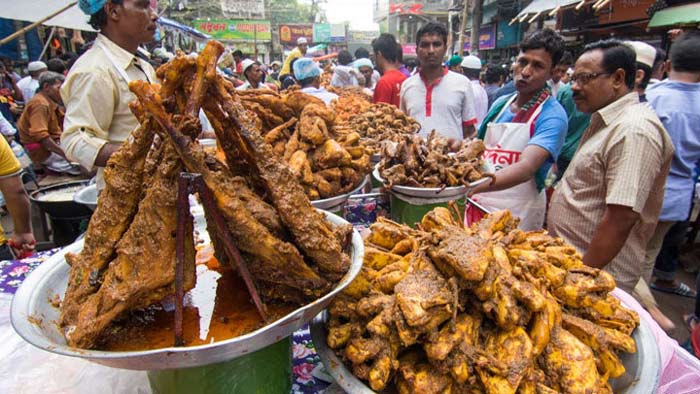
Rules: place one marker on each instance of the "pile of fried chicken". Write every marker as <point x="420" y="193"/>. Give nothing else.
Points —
<point x="381" y="122"/>
<point x="128" y="259"/>
<point x="300" y="129"/>
<point x="486" y="309"/>
<point x="433" y="163"/>
<point x="350" y="104"/>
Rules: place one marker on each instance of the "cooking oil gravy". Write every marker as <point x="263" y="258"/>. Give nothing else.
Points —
<point x="218" y="308"/>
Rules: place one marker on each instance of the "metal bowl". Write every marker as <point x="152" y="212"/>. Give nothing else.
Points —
<point x="87" y="196"/>
<point x="34" y="319"/>
<point x="333" y="202"/>
<point x="435" y="192"/>
<point x="60" y="209"/>
<point x="641" y="376"/>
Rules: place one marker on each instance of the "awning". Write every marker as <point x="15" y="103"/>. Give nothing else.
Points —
<point x="35" y="10"/>
<point x="542" y="6"/>
<point x="681" y="15"/>
<point x="171" y="24"/>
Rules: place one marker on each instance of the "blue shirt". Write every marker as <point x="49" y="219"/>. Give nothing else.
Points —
<point x="550" y="129"/>
<point x="677" y="104"/>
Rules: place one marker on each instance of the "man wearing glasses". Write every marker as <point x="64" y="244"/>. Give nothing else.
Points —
<point x="609" y="200"/>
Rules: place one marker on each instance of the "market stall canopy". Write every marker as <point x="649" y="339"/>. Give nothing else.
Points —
<point x="36" y="10"/>
<point x="687" y="14"/>
<point x="539" y="6"/>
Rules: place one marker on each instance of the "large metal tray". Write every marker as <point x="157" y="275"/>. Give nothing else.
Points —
<point x="642" y="376"/>
<point x="435" y="192"/>
<point x="333" y="202"/>
<point x="87" y="196"/>
<point x="34" y="319"/>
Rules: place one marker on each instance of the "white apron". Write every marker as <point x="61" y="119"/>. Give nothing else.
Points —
<point x="505" y="143"/>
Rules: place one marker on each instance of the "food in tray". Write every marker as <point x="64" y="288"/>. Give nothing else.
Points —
<point x="486" y="309"/>
<point x="59" y="195"/>
<point x="381" y="122"/>
<point x="349" y="104"/>
<point x="128" y="260"/>
<point x="433" y="163"/>
<point x="299" y="128"/>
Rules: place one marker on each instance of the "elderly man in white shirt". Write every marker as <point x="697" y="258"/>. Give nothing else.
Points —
<point x="29" y="84"/>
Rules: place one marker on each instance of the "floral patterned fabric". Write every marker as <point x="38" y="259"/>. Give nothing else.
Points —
<point x="13" y="272"/>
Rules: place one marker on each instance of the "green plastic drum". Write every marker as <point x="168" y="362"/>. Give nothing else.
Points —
<point x="410" y="210"/>
<point x="267" y="371"/>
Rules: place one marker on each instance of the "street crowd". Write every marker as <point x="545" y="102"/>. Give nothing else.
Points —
<point x="601" y="148"/>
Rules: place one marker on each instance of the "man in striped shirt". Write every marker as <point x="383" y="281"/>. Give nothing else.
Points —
<point x="608" y="202"/>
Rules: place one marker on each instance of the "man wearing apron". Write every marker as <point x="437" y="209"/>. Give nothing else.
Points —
<point x="523" y="134"/>
<point x="96" y="91"/>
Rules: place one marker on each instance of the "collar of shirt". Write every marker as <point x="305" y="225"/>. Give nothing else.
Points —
<point x="123" y="58"/>
<point x="613" y="110"/>
<point x="435" y="82"/>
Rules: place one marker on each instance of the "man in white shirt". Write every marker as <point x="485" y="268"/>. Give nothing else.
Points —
<point x="438" y="99"/>
<point x="471" y="68"/>
<point x="253" y="75"/>
<point x="96" y="91"/>
<point x="308" y="75"/>
<point x="29" y="84"/>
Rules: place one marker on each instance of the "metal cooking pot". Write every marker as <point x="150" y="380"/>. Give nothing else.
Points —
<point x="67" y="209"/>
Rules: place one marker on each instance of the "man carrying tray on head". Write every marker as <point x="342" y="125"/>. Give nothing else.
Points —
<point x="524" y="133"/>
<point x="96" y="91"/>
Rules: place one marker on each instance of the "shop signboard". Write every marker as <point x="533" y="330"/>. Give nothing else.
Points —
<point x="487" y="38"/>
<point x="362" y="36"/>
<point x="506" y="35"/>
<point x="409" y="49"/>
<point x="322" y="32"/>
<point x="289" y="33"/>
<point x="573" y="19"/>
<point x="235" y="29"/>
<point x="338" y="32"/>
<point x="243" y="8"/>
<point x="619" y="11"/>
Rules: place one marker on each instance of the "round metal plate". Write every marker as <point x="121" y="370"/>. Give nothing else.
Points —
<point x="34" y="319"/>
<point x="641" y="376"/>
<point x="433" y="192"/>
<point x="87" y="196"/>
<point x="333" y="202"/>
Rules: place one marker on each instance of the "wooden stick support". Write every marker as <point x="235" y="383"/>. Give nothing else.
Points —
<point x="231" y="250"/>
<point x="183" y="212"/>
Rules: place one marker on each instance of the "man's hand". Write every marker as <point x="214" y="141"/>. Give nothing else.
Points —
<point x="22" y="244"/>
<point x="610" y="236"/>
<point x="524" y="170"/>
<point x="105" y="153"/>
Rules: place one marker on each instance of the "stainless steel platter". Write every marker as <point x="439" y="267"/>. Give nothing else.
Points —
<point x="34" y="318"/>
<point x="334" y="202"/>
<point x="87" y="196"/>
<point x="435" y="192"/>
<point x="642" y="376"/>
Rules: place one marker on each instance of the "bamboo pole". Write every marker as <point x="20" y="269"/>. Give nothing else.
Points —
<point x="534" y="18"/>
<point x="555" y="10"/>
<point x="579" y="5"/>
<point x="35" y="24"/>
<point x="462" y="26"/>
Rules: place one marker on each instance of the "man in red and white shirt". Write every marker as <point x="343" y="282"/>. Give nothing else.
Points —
<point x="386" y="54"/>
<point x="437" y="98"/>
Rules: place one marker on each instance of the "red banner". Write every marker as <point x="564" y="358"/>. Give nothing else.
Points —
<point x="290" y="33"/>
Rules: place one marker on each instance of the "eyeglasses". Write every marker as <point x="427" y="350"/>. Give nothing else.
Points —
<point x="584" y="78"/>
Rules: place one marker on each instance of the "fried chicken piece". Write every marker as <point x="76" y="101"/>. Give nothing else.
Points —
<point x="465" y="330"/>
<point x="331" y="154"/>
<point x="300" y="165"/>
<point x="416" y="377"/>
<point x="297" y="101"/>
<point x="570" y="364"/>
<point x="456" y="253"/>
<point x="277" y="105"/>
<point x="115" y="210"/>
<point x="386" y="234"/>
<point x="514" y="349"/>
<point x="421" y="294"/>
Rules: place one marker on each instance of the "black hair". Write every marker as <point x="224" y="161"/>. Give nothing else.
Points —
<point x="287" y="81"/>
<point x="493" y="74"/>
<point x="659" y="58"/>
<point x="411" y="63"/>
<point x="566" y="59"/>
<point x="344" y="57"/>
<point x="616" y="55"/>
<point x="545" y="39"/>
<point x="471" y="73"/>
<point x="647" y="75"/>
<point x="361" y="53"/>
<point x="432" y="28"/>
<point x="386" y="45"/>
<point x="98" y="20"/>
<point x="399" y="52"/>
<point x="56" y="65"/>
<point x="685" y="52"/>
<point x="237" y="52"/>
<point x="306" y="81"/>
